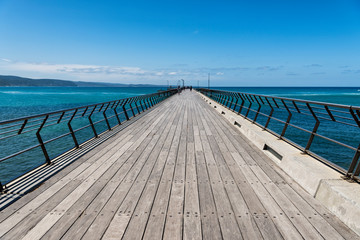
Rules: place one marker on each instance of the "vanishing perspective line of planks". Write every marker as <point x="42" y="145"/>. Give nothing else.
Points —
<point x="178" y="172"/>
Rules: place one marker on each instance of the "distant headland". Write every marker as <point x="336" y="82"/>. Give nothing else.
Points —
<point x="15" y="81"/>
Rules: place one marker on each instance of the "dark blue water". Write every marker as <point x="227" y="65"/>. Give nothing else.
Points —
<point x="16" y="102"/>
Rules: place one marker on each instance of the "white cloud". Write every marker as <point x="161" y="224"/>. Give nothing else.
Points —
<point x="69" y="69"/>
<point x="98" y="73"/>
<point x="219" y="73"/>
<point x="5" y="60"/>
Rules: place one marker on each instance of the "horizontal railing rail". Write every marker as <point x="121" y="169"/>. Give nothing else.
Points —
<point x="24" y="140"/>
<point x="329" y="132"/>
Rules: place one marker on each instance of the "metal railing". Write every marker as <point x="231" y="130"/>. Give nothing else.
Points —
<point x="24" y="140"/>
<point x="328" y="132"/>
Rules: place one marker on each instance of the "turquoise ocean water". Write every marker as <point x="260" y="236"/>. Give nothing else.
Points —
<point x="16" y="102"/>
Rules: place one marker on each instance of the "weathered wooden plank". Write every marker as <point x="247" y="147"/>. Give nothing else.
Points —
<point x="98" y="199"/>
<point x="96" y="223"/>
<point x="107" y="162"/>
<point x="23" y="183"/>
<point x="180" y="172"/>
<point x="228" y="223"/>
<point x="136" y="224"/>
<point x="233" y="159"/>
<point x="300" y="222"/>
<point x="156" y="222"/>
<point x="282" y="222"/>
<point x="209" y="221"/>
<point x="245" y="220"/>
<point x="277" y="176"/>
<point x="174" y="219"/>
<point x="192" y="220"/>
<point x="56" y="183"/>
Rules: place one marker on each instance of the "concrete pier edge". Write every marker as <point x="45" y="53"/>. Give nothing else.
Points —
<point x="324" y="183"/>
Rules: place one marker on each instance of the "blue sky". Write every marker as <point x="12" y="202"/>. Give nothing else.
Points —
<point x="241" y="43"/>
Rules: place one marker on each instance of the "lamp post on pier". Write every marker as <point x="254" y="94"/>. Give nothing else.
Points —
<point x="209" y="81"/>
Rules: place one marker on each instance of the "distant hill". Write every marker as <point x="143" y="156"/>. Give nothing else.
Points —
<point x="14" y="81"/>
<point x="9" y="81"/>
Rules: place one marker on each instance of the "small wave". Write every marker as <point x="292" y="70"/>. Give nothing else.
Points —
<point x="46" y="93"/>
<point x="306" y="94"/>
<point x="319" y="94"/>
<point x="11" y="92"/>
<point x="351" y="94"/>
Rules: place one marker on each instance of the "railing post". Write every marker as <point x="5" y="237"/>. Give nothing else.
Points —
<point x="224" y="100"/>
<point x="221" y="101"/>
<point x="85" y="110"/>
<point x="124" y="110"/>
<point x="287" y="121"/>
<point x="137" y="107"/>
<point x="148" y="102"/>
<point x="258" y="110"/>
<point x="270" y="114"/>
<point x="152" y="100"/>
<point x="91" y="122"/>
<point x="144" y="102"/>
<point x="217" y="97"/>
<point x="107" y="121"/>
<point x="357" y="171"/>
<point x="132" y="110"/>
<point x="232" y="99"/>
<point x="249" y="107"/>
<point x="71" y="129"/>
<point x="61" y="116"/>
<point x="116" y="113"/>
<point x="330" y="114"/>
<point x="314" y="129"/>
<point x="354" y="117"/>
<point x="22" y="126"/>
<point x="157" y="97"/>
<point x="237" y="100"/>
<point x="350" y="172"/>
<point x="242" y="104"/>
<point x="42" y="145"/>
<point x="141" y="105"/>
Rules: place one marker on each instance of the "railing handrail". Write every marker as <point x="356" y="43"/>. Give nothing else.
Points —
<point x="288" y="99"/>
<point x="122" y="110"/>
<point x="316" y="110"/>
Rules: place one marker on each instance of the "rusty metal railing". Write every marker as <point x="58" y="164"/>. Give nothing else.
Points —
<point x="322" y="130"/>
<point x="24" y="139"/>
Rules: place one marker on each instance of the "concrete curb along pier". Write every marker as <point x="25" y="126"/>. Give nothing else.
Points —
<point x="325" y="184"/>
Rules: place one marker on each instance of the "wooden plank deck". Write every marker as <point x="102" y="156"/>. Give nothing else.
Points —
<point x="180" y="172"/>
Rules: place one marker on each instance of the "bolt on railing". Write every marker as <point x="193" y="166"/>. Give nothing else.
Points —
<point x="17" y="135"/>
<point x="340" y="125"/>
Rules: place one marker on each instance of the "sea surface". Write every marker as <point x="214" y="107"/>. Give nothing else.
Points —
<point x="17" y="102"/>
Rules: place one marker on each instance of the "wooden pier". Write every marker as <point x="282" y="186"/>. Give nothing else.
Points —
<point x="178" y="172"/>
